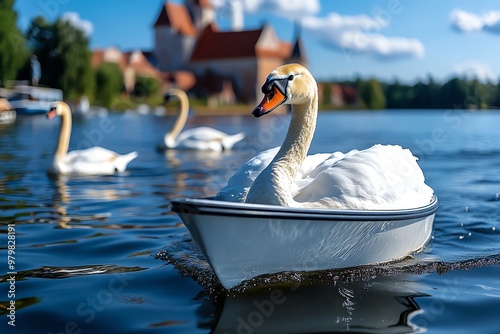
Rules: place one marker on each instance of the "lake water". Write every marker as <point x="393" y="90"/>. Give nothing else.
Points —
<point x="106" y="254"/>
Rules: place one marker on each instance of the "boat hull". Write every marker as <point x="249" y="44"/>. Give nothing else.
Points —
<point x="242" y="241"/>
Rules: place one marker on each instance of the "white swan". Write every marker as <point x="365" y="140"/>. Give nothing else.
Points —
<point x="92" y="161"/>
<point x="200" y="138"/>
<point x="383" y="177"/>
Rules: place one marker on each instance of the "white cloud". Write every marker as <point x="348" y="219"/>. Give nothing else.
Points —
<point x="295" y="8"/>
<point x="357" y="34"/>
<point x="336" y="22"/>
<point x="360" y="35"/>
<point x="475" y="70"/>
<point x="74" y="19"/>
<point x="286" y="8"/>
<point x="469" y="22"/>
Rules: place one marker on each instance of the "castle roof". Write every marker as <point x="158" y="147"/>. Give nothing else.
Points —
<point x="176" y="16"/>
<point x="203" y="3"/>
<point x="108" y="55"/>
<point x="213" y="44"/>
<point x="135" y="60"/>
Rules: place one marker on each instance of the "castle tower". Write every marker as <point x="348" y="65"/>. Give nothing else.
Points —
<point x="298" y="54"/>
<point x="201" y="11"/>
<point x="175" y="37"/>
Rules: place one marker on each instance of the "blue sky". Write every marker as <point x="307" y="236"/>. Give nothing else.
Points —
<point x="387" y="39"/>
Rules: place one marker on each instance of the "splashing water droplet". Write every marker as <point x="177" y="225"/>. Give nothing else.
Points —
<point x="466" y="209"/>
<point x="470" y="233"/>
<point x="497" y="196"/>
<point x="493" y="228"/>
<point x="461" y="224"/>
<point x="461" y="237"/>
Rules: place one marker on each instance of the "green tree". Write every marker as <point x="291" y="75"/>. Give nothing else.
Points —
<point x="64" y="55"/>
<point x="453" y="94"/>
<point x="327" y="87"/>
<point x="396" y="95"/>
<point x="73" y="50"/>
<point x="373" y="95"/>
<point x="13" y="47"/>
<point x="147" y="90"/>
<point x="145" y="87"/>
<point x="109" y="84"/>
<point x="495" y="101"/>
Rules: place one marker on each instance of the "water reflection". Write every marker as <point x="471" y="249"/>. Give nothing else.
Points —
<point x="200" y="173"/>
<point x="92" y="188"/>
<point x="63" y="197"/>
<point x="368" y="299"/>
<point x="20" y="304"/>
<point x="55" y="272"/>
<point x="176" y="158"/>
<point x="82" y="202"/>
<point x="381" y="305"/>
<point x="188" y="166"/>
<point x="356" y="299"/>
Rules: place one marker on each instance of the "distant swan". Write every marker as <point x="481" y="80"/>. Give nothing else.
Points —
<point x="383" y="177"/>
<point x="92" y="161"/>
<point x="200" y="138"/>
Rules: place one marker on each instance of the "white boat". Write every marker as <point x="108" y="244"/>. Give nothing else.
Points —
<point x="34" y="100"/>
<point x="241" y="241"/>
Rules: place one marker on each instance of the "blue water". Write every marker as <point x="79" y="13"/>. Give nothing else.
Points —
<point x="106" y="254"/>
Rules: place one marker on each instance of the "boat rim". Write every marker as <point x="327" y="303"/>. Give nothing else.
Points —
<point x="210" y="206"/>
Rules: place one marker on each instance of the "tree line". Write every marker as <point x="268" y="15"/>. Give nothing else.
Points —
<point x="455" y="93"/>
<point x="65" y="60"/>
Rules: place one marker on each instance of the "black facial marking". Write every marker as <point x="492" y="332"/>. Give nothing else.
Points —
<point x="267" y="87"/>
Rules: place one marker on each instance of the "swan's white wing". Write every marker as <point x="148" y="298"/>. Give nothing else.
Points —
<point x="199" y="145"/>
<point x="94" y="154"/>
<point x="206" y="138"/>
<point x="94" y="161"/>
<point x="328" y="162"/>
<point x="382" y="176"/>
<point x="310" y="163"/>
<point x="238" y="185"/>
<point x="202" y="133"/>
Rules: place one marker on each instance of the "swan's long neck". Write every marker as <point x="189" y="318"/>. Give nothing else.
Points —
<point x="275" y="184"/>
<point x="64" y="135"/>
<point x="298" y="139"/>
<point x="180" y="122"/>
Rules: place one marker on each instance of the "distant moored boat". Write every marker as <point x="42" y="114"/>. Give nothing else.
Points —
<point x="34" y="100"/>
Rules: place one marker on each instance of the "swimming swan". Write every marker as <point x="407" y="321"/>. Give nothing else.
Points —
<point x="92" y="161"/>
<point x="200" y="138"/>
<point x="383" y="177"/>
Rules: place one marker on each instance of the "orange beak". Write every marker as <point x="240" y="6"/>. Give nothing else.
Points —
<point x="271" y="101"/>
<point x="52" y="113"/>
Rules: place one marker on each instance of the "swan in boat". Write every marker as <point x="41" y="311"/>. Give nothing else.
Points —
<point x="92" y="161"/>
<point x="382" y="177"/>
<point x="201" y="138"/>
